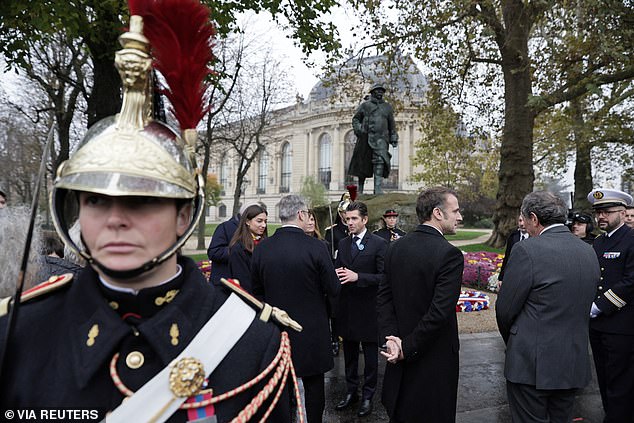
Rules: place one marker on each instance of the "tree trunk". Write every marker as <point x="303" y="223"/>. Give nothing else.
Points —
<point x="516" y="151"/>
<point x="583" y="163"/>
<point x="105" y="98"/>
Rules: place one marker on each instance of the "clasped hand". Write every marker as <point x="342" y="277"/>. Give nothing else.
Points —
<point x="394" y="352"/>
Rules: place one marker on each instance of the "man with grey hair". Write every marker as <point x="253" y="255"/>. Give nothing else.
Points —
<point x="543" y="311"/>
<point x="294" y="272"/>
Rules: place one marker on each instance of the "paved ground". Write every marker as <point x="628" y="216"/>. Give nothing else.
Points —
<point x="481" y="391"/>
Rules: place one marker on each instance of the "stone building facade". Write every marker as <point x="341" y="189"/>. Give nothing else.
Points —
<point x="314" y="137"/>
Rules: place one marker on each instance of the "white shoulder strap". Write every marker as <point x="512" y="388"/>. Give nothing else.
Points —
<point x="155" y="402"/>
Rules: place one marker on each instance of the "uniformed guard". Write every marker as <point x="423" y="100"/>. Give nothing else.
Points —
<point x="140" y="323"/>
<point x="612" y="314"/>
<point x="339" y="230"/>
<point x="390" y="232"/>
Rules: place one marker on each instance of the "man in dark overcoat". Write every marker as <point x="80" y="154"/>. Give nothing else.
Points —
<point x="294" y="272"/>
<point x="612" y="315"/>
<point x="359" y="266"/>
<point x="515" y="237"/>
<point x="375" y="128"/>
<point x="545" y="325"/>
<point x="417" y="315"/>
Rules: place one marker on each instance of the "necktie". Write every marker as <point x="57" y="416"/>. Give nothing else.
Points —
<point x="355" y="247"/>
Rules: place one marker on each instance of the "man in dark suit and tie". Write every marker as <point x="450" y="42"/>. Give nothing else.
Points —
<point x="612" y="315"/>
<point x="417" y="315"/>
<point x="294" y="272"/>
<point x="515" y="237"/>
<point x="359" y="266"/>
<point x="543" y="312"/>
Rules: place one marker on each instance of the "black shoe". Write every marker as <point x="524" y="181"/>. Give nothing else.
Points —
<point x="365" y="408"/>
<point x="335" y="349"/>
<point x="347" y="401"/>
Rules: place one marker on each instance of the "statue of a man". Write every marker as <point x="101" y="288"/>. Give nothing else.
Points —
<point x="374" y="126"/>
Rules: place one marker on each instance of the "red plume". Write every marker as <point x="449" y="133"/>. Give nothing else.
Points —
<point x="181" y="35"/>
<point x="352" y="189"/>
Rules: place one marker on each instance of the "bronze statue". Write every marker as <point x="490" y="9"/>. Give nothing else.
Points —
<point x="374" y="126"/>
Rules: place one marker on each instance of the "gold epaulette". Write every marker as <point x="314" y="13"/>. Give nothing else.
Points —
<point x="267" y="310"/>
<point x="52" y="284"/>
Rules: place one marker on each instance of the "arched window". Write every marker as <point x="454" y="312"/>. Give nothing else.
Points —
<point x="263" y="172"/>
<point x="350" y="139"/>
<point x="325" y="159"/>
<point x="224" y="173"/>
<point x="222" y="211"/>
<point x="285" y="180"/>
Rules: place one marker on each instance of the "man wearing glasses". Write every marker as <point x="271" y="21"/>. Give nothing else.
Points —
<point x="612" y="315"/>
<point x="292" y="269"/>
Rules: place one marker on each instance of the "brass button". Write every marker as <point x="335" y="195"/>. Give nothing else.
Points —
<point x="602" y="269"/>
<point x="134" y="360"/>
<point x="600" y="288"/>
<point x="601" y="278"/>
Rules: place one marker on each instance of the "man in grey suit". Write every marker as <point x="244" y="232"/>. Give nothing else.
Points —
<point x="543" y="310"/>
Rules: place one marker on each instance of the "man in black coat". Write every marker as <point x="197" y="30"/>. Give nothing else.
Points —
<point x="294" y="272"/>
<point x="417" y="314"/>
<point x="359" y="266"/>
<point x="612" y="314"/>
<point x="218" y="251"/>
<point x="542" y="313"/>
<point x="515" y="237"/>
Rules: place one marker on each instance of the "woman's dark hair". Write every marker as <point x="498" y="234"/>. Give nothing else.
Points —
<point x="243" y="234"/>
<point x="317" y="233"/>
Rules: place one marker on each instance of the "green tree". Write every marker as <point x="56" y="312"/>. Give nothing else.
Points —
<point x="526" y="47"/>
<point x="314" y="192"/>
<point x="449" y="156"/>
<point x="98" y="23"/>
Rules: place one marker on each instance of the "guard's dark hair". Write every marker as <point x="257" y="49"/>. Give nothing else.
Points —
<point x="52" y="244"/>
<point x="242" y="234"/>
<point x="548" y="208"/>
<point x="358" y="205"/>
<point x="430" y="199"/>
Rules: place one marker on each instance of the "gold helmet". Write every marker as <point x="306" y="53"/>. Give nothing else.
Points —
<point x="130" y="154"/>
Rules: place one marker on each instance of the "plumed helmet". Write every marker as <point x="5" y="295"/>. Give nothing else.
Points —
<point x="130" y="154"/>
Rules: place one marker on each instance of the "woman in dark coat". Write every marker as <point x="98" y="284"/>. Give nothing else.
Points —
<point x="251" y="230"/>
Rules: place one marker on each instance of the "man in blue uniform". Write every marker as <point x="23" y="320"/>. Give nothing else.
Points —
<point x="612" y="314"/>
<point x="140" y="323"/>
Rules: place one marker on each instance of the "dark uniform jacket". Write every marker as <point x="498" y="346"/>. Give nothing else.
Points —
<point x="615" y="291"/>
<point x="356" y="314"/>
<point x="52" y="361"/>
<point x="390" y="234"/>
<point x="543" y="310"/>
<point x="293" y="271"/>
<point x="417" y="302"/>
<point x="218" y="251"/>
<point x="333" y="235"/>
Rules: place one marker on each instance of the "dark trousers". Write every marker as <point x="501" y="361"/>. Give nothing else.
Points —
<point x="370" y="369"/>
<point x="614" y="360"/>
<point x="531" y="405"/>
<point x="314" y="397"/>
